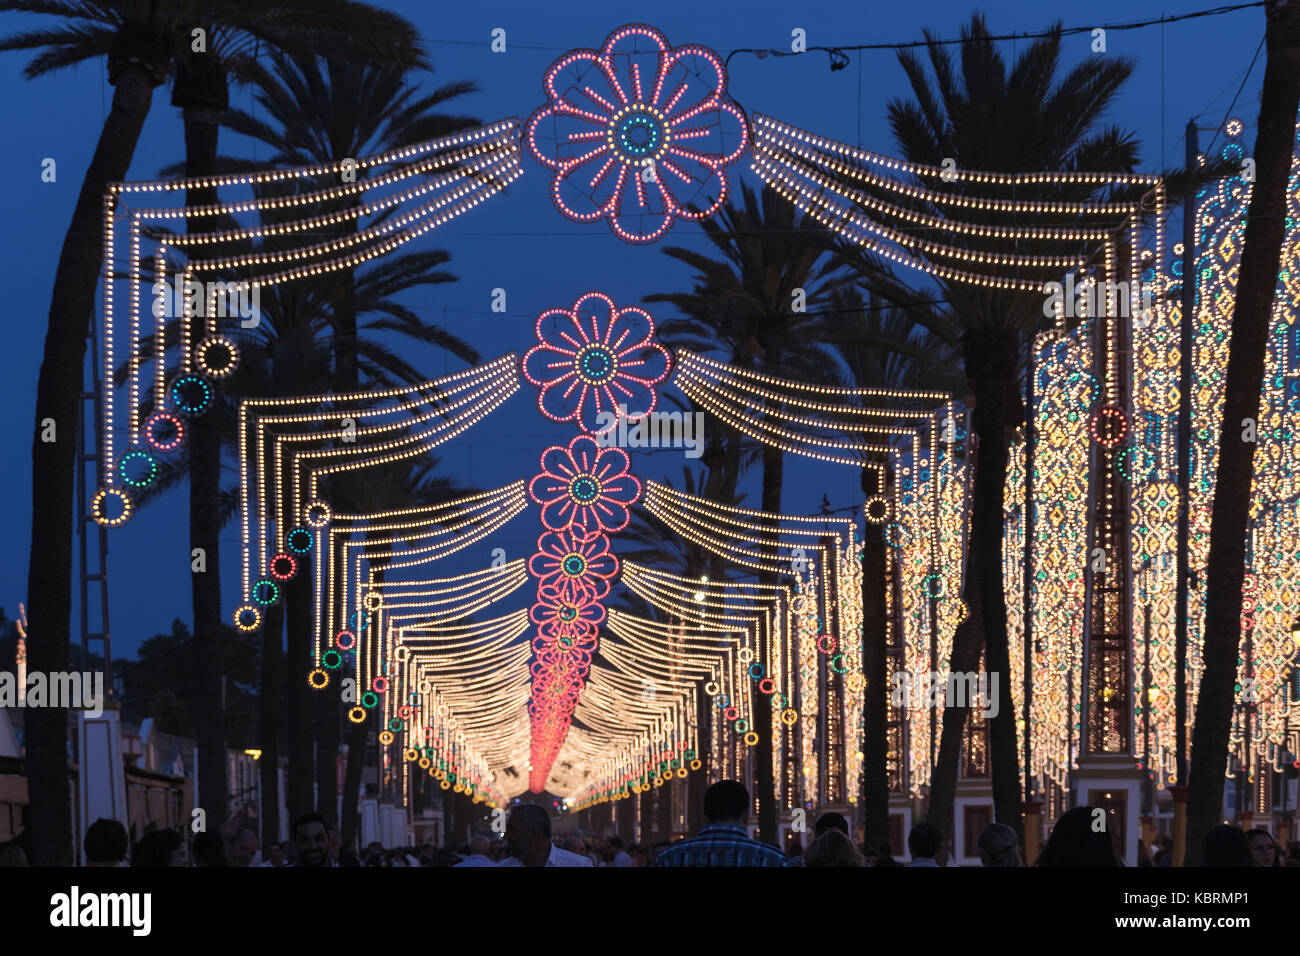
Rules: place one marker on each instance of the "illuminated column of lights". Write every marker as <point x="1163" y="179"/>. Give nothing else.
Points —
<point x="464" y="399"/>
<point x="476" y="170"/>
<point x="473" y="394"/>
<point x="1271" y="595"/>
<point x="355" y="632"/>
<point x="849" y="605"/>
<point x="353" y="593"/>
<point x="592" y="363"/>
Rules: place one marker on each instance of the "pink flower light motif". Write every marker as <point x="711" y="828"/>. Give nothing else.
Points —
<point x="639" y="131"/>
<point x="585" y="485"/>
<point x="576" y="562"/>
<point x="595" y="359"/>
<point x="557" y="615"/>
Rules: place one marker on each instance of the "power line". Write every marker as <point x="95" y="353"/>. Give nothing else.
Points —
<point x="839" y="58"/>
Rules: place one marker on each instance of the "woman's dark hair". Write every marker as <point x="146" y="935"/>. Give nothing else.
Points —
<point x="1075" y="842"/>
<point x="156" y="848"/>
<point x="208" y="850"/>
<point x="106" y="841"/>
<point x="1226" y="846"/>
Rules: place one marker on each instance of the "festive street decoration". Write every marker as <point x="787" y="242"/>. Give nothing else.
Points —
<point x="638" y="133"/>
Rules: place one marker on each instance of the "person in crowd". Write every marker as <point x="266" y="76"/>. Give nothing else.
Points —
<point x="833" y="848"/>
<point x="1164" y="851"/>
<point x="885" y="856"/>
<point x="1293" y="855"/>
<point x="159" y="848"/>
<point x="480" y="852"/>
<point x="999" y="847"/>
<point x="207" y="849"/>
<point x="575" y="845"/>
<point x="621" y="856"/>
<point x="528" y="831"/>
<point x="1226" y="845"/>
<point x="428" y="853"/>
<point x="1076" y="840"/>
<point x="275" y="855"/>
<point x="925" y="842"/>
<point x="374" y="854"/>
<point x="723" y="840"/>
<point x="1262" y="848"/>
<point x="18" y="851"/>
<point x="348" y="857"/>
<point x="335" y="841"/>
<point x="240" y="847"/>
<point x="638" y="854"/>
<point x="1144" y="854"/>
<point x="310" y="835"/>
<point x="106" y="843"/>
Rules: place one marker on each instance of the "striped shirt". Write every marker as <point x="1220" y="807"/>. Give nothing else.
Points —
<point x="721" y="846"/>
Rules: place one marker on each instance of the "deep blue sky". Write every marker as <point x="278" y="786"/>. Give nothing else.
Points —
<point x="518" y="241"/>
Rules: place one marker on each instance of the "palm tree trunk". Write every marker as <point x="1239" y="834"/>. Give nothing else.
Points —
<point x="875" y="717"/>
<point x="990" y="365"/>
<point x="271" y="702"/>
<point x="1247" y="348"/>
<point x="202" y="124"/>
<point x="58" y="387"/>
<point x="298" y="620"/>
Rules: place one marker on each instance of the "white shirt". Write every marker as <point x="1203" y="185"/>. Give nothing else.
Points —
<point x="558" y="857"/>
<point x="475" y="860"/>
<point x="623" y="858"/>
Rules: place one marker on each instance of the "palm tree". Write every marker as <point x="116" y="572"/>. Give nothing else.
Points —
<point x="757" y="304"/>
<point x="201" y="91"/>
<point x="983" y="117"/>
<point x="883" y="348"/>
<point x="1247" y="347"/>
<point x="319" y="109"/>
<point x="136" y="37"/>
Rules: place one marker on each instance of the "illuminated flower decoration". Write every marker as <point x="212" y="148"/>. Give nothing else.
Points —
<point x="585" y="485"/>
<point x="559" y="614"/>
<point x="593" y="359"/>
<point x="576" y="562"/>
<point x="639" y="133"/>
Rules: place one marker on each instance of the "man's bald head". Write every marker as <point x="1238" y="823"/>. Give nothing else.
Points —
<point x="480" y="846"/>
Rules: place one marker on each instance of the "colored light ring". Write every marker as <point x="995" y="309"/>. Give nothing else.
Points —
<point x="373" y="600"/>
<point x="99" y="507"/>
<point x="756" y="671"/>
<point x="826" y="643"/>
<point x="369" y="700"/>
<point x="789" y="716"/>
<point x="731" y="713"/>
<point x="386" y="737"/>
<point x="634" y="118"/>
<point x="318" y="679"/>
<point x="265" y="592"/>
<point x="191" y="395"/>
<point x="299" y="541"/>
<point x="1108" y="426"/>
<point x="595" y="364"/>
<point x="130" y="461"/>
<point x="203" y="355"/>
<point x="379" y="685"/>
<point x="153" y="426"/>
<point x="283" y="567"/>
<point x="840" y="668"/>
<point x="248" y="618"/>
<point x="345" y="639"/>
<point x="751" y="739"/>
<point x="317" y="514"/>
<point x="357" y="715"/>
<point x="331" y="660"/>
<point x="878" y="509"/>
<point x="932" y="586"/>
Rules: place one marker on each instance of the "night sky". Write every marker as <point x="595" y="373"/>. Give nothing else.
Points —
<point x="518" y="241"/>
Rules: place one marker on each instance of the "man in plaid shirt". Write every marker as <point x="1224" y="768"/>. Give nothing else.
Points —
<point x="723" y="840"/>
